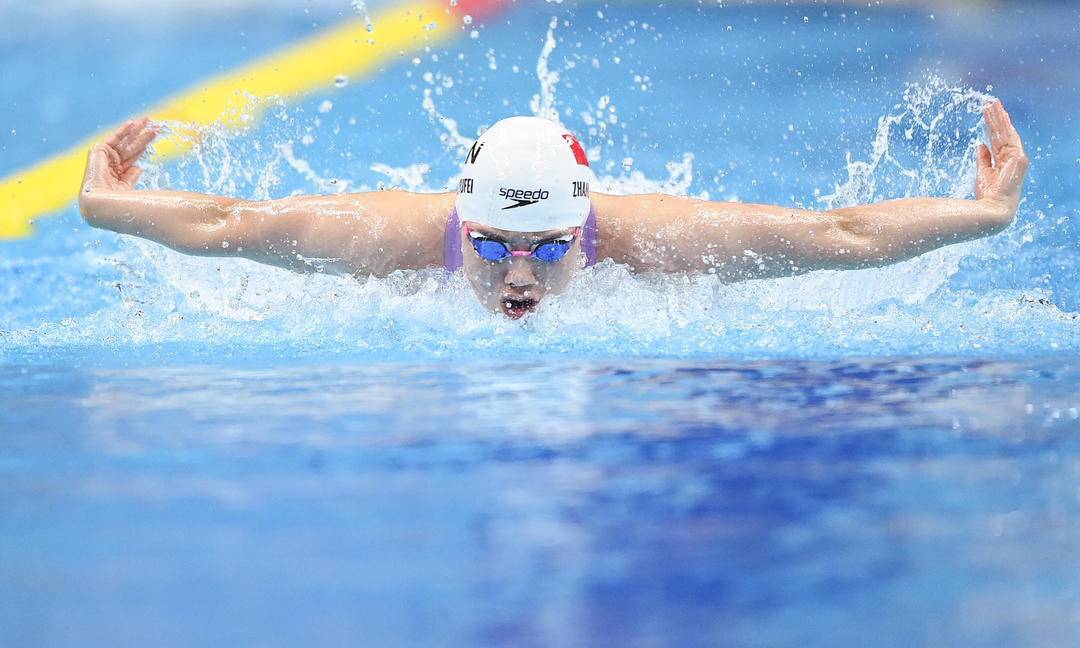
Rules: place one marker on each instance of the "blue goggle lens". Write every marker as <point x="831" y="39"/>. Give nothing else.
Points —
<point x="552" y="252"/>
<point x="490" y="250"/>
<point x="497" y="250"/>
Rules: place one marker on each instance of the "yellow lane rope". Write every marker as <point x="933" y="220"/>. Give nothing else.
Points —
<point x="348" y="49"/>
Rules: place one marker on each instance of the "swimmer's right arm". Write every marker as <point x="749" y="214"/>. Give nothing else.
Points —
<point x="370" y="233"/>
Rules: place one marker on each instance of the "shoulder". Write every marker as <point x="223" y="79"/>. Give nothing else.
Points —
<point x="399" y="229"/>
<point x="647" y="231"/>
<point x="406" y="204"/>
<point x="402" y="215"/>
<point x="622" y="221"/>
<point x="635" y="209"/>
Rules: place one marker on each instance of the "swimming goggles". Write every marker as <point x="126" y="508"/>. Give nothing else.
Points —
<point x="549" y="251"/>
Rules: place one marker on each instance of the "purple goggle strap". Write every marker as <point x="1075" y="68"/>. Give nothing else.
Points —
<point x="452" y="245"/>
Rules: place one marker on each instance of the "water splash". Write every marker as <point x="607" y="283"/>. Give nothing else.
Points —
<point x="925" y="149"/>
<point x="301" y="166"/>
<point x="543" y="104"/>
<point x="451" y="137"/>
<point x="360" y="7"/>
<point x="151" y="296"/>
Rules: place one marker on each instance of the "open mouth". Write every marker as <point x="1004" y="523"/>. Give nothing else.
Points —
<point x="516" y="308"/>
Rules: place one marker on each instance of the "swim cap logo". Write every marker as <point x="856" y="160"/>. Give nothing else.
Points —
<point x="474" y="152"/>
<point x="575" y="146"/>
<point x="521" y="197"/>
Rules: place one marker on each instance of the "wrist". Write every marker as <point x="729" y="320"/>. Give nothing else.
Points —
<point x="93" y="201"/>
<point x="1000" y="210"/>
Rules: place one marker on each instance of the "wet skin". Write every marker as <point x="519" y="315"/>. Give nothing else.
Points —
<point x="516" y="285"/>
<point x="380" y="232"/>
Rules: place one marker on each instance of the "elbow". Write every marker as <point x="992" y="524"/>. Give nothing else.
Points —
<point x="236" y="225"/>
<point x="219" y="231"/>
<point x="853" y="242"/>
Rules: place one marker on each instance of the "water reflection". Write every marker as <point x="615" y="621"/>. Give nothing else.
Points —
<point x="561" y="502"/>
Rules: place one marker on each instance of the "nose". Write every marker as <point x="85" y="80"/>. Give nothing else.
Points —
<point x="520" y="274"/>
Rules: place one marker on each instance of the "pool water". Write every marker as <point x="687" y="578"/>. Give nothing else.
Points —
<point x="198" y="451"/>
<point x="654" y="502"/>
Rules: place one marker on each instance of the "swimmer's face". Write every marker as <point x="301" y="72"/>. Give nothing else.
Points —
<point x="516" y="285"/>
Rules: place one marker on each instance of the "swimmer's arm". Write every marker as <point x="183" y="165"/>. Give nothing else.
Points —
<point x="740" y="241"/>
<point x="360" y="234"/>
<point x="373" y="233"/>
<point x="744" y="241"/>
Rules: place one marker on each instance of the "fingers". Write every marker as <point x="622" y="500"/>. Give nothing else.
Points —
<point x="984" y="158"/>
<point x="1003" y="135"/>
<point x="118" y="135"/>
<point x="125" y="132"/>
<point x="126" y="144"/>
<point x="105" y="153"/>
<point x="993" y="124"/>
<point x="131" y="176"/>
<point x="1002" y="165"/>
<point x="134" y="148"/>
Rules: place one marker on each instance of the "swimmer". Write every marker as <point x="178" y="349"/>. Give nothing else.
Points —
<point x="526" y="217"/>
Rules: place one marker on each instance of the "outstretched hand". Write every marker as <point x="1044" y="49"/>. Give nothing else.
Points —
<point x="112" y="164"/>
<point x="1003" y="164"/>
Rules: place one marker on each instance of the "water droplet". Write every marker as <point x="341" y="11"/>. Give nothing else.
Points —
<point x="474" y="34"/>
<point x="627" y="162"/>
<point x="225" y="244"/>
<point x="360" y="7"/>
<point x="326" y="106"/>
<point x="340" y="81"/>
<point x="467" y="19"/>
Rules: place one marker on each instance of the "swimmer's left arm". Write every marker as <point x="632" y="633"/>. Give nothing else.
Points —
<point x="744" y="241"/>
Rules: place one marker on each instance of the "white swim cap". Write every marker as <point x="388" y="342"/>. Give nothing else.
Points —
<point x="525" y="174"/>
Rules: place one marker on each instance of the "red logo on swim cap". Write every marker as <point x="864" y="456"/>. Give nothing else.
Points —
<point x="575" y="146"/>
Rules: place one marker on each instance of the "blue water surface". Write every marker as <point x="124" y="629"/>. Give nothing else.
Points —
<point x="205" y="451"/>
<point x="925" y="502"/>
